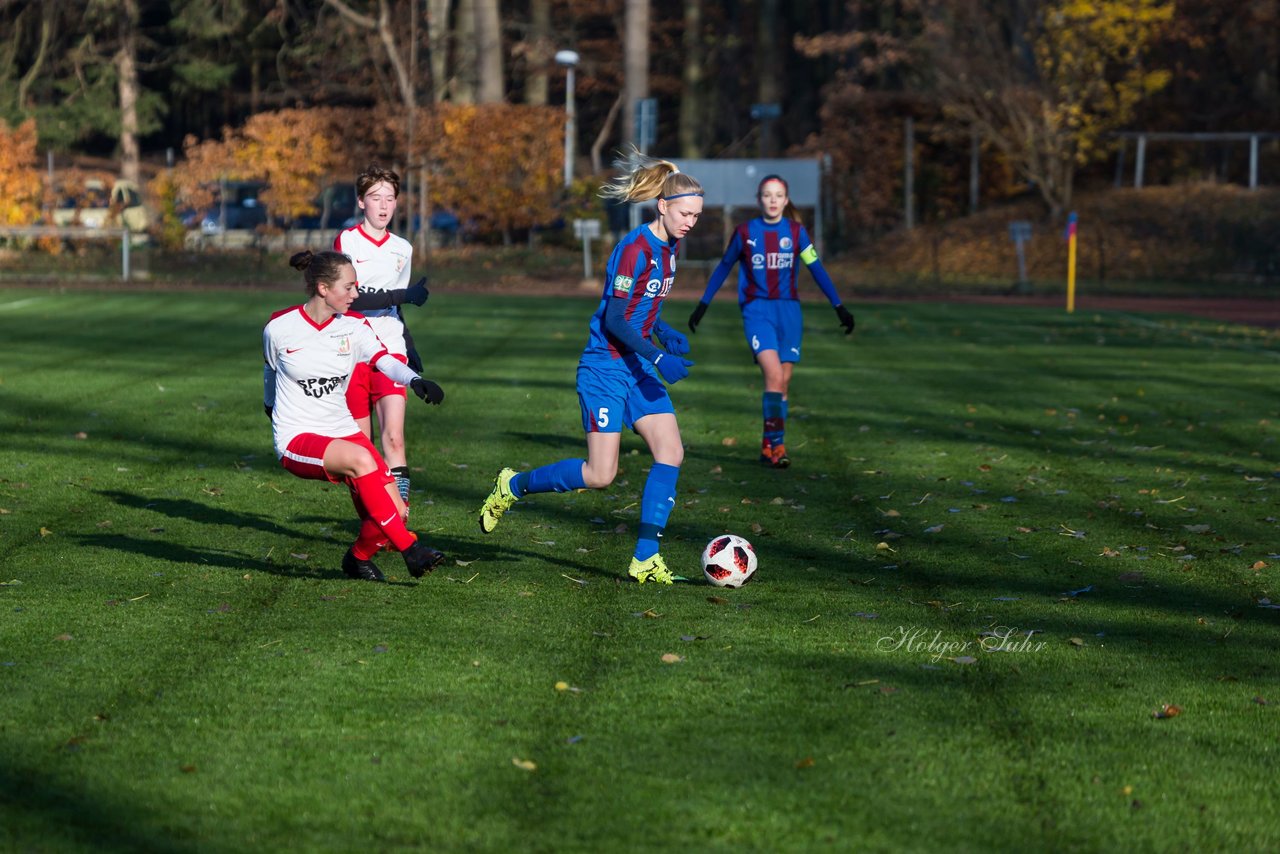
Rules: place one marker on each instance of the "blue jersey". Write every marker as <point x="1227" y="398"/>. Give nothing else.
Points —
<point x="641" y="270"/>
<point x="768" y="256"/>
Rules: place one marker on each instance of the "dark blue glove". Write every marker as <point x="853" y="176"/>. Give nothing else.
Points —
<point x="696" y="317"/>
<point x="673" y="341"/>
<point x="846" y="318"/>
<point x="427" y="390"/>
<point x="672" y="368"/>
<point x="417" y="293"/>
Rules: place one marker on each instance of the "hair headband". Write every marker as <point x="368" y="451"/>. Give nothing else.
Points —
<point x="680" y="196"/>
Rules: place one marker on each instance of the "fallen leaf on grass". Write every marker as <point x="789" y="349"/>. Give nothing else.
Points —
<point x="524" y="764"/>
<point x="63" y="638"/>
<point x="936" y="529"/>
<point x="717" y="600"/>
<point x="1166" y="711"/>
<point x="671" y="658"/>
<point x="964" y="659"/>
<point x="464" y="562"/>
<point x="187" y="769"/>
<point x="807" y="762"/>
<point x="729" y="441"/>
<point x="1262" y="564"/>
<point x="1197" y="529"/>
<point x="44" y="532"/>
<point x="888" y="689"/>
<point x="1075" y="641"/>
<point x="1261" y="701"/>
<point x="695" y="637"/>
<point x="885" y="547"/>
<point x="565" y="686"/>
<point x="647" y="613"/>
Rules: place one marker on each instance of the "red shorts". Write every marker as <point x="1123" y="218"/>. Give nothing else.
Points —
<point x="305" y="455"/>
<point x="368" y="386"/>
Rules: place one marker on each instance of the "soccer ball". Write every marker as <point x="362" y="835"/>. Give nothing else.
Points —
<point x="728" y="561"/>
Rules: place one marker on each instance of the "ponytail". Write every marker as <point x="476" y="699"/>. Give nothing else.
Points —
<point x="650" y="178"/>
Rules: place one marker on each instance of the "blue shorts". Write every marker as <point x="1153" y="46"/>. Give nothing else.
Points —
<point x="614" y="393"/>
<point x="773" y="324"/>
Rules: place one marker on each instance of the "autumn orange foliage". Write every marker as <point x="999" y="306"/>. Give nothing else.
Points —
<point x="497" y="166"/>
<point x="20" y="183"/>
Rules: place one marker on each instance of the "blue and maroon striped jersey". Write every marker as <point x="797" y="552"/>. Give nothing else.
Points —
<point x="641" y="270"/>
<point x="768" y="256"/>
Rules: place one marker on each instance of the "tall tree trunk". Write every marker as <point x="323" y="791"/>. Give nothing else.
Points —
<point x="489" y="53"/>
<point x="693" y="96"/>
<point x="126" y="62"/>
<point x="538" y="56"/>
<point x="769" y="68"/>
<point x="438" y="45"/>
<point x="635" y="52"/>
<point x="464" y="63"/>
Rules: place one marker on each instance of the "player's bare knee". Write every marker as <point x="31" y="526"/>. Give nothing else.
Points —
<point x="598" y="477"/>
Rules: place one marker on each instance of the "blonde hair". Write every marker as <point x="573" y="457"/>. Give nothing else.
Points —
<point x="649" y="178"/>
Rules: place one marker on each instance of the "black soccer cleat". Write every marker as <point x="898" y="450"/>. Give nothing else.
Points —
<point x="421" y="558"/>
<point x="361" y="570"/>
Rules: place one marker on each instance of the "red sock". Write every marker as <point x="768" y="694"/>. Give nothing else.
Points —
<point x="371" y="491"/>
<point x="370" y="541"/>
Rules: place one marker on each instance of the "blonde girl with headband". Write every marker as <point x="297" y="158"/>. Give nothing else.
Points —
<point x="620" y="372"/>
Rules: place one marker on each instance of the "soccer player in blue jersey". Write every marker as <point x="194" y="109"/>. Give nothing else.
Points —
<point x="618" y="373"/>
<point x="766" y="249"/>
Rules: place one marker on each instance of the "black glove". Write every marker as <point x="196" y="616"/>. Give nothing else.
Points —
<point x="415" y="361"/>
<point x="267" y="409"/>
<point x="696" y="317"/>
<point x="427" y="390"/>
<point x="417" y="293"/>
<point x="846" y="319"/>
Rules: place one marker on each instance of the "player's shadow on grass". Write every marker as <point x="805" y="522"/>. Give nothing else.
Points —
<point x="488" y="554"/>
<point x="551" y="440"/>
<point x="57" y="811"/>
<point x="178" y="508"/>
<point x="180" y="555"/>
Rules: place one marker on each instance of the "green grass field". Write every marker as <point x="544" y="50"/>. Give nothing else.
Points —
<point x="1010" y="538"/>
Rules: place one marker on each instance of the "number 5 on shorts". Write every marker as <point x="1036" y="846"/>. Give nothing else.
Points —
<point x="602" y="418"/>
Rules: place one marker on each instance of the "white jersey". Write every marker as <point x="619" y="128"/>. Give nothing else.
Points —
<point x="307" y="371"/>
<point x="380" y="265"/>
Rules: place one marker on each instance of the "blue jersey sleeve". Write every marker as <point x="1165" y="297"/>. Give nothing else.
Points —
<point x="615" y="321"/>
<point x="809" y="255"/>
<point x="721" y="272"/>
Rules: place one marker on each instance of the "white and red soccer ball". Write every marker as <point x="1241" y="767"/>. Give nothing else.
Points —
<point x="728" y="561"/>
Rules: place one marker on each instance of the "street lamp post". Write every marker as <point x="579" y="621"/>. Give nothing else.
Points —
<point x="569" y="59"/>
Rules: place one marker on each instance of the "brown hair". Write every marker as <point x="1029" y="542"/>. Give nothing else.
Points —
<point x="788" y="212"/>
<point x="318" y="267"/>
<point x="649" y="178"/>
<point x="374" y="174"/>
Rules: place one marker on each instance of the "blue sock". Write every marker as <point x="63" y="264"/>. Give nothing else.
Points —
<point x="563" y="476"/>
<point x="656" y="504"/>
<point x="775" y="423"/>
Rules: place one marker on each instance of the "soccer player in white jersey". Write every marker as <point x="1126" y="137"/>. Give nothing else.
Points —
<point x="382" y="261"/>
<point x="310" y="352"/>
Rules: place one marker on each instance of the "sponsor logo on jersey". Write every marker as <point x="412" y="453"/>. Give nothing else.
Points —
<point x="289" y="350"/>
<point x="401" y="260"/>
<point x="757" y="260"/>
<point x="320" y="386"/>
<point x="344" y="346"/>
<point x="652" y="287"/>
<point x="750" y="242"/>
<point x="622" y="284"/>
<point x="784" y="243"/>
<point x="779" y="260"/>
